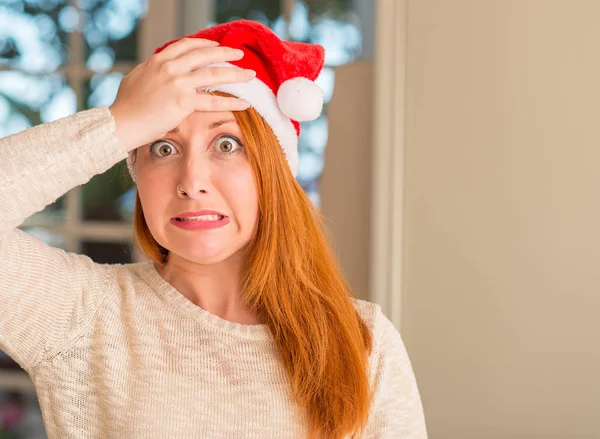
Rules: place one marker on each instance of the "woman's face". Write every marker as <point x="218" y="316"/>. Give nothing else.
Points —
<point x="205" y="156"/>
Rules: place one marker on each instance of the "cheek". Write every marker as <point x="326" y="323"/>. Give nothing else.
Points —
<point x="152" y="191"/>
<point x="243" y="195"/>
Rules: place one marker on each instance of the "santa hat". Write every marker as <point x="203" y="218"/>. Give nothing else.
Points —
<point x="283" y="92"/>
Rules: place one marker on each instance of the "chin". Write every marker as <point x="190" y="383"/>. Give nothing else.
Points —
<point x="202" y="250"/>
<point x="203" y="253"/>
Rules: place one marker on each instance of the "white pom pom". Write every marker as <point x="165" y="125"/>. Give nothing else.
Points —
<point x="300" y="99"/>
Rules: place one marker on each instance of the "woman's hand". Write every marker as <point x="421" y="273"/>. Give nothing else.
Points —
<point x="159" y="93"/>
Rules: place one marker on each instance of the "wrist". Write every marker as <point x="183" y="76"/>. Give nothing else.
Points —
<point x="123" y="130"/>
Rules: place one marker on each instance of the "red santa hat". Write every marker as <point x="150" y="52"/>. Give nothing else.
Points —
<point x="283" y="92"/>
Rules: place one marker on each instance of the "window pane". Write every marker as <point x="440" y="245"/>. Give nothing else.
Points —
<point x="265" y="11"/>
<point x="28" y="100"/>
<point x="111" y="31"/>
<point x="108" y="196"/>
<point x="33" y="33"/>
<point x="53" y="213"/>
<point x="6" y="362"/>
<point x="337" y="27"/>
<point x="48" y="236"/>
<point x="334" y="24"/>
<point x="20" y="416"/>
<point x="107" y="252"/>
<point x="332" y="8"/>
<point x="100" y="90"/>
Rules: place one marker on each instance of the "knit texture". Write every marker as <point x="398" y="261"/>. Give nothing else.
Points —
<point x="115" y="351"/>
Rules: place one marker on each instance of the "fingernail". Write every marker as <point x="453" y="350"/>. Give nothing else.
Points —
<point x="250" y="73"/>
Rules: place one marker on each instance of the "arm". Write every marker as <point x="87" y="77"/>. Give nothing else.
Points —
<point x="41" y="288"/>
<point x="397" y="412"/>
<point x="46" y="294"/>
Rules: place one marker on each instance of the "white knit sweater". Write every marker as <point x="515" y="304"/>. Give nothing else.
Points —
<point x="115" y="351"/>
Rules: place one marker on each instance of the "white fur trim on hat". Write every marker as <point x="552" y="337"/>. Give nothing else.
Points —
<point x="260" y="96"/>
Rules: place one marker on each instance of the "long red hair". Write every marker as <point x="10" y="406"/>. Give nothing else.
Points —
<point x="292" y="280"/>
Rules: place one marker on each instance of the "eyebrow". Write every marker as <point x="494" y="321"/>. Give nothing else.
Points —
<point x="218" y="123"/>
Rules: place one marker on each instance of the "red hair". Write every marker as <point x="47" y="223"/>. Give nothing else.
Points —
<point x="292" y="280"/>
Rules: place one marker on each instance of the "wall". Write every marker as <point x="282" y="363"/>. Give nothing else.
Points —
<point x="345" y="185"/>
<point x="501" y="276"/>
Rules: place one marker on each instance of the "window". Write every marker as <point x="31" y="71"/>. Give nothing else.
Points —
<point x="339" y="26"/>
<point x="58" y="57"/>
<point x="62" y="56"/>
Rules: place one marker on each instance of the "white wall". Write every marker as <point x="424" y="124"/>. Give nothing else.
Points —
<point x="501" y="276"/>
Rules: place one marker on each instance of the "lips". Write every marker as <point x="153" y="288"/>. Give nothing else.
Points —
<point x="201" y="220"/>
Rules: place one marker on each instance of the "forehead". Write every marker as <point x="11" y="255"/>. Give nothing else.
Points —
<point x="204" y="120"/>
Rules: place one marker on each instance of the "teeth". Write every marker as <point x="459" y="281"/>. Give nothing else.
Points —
<point x="202" y="218"/>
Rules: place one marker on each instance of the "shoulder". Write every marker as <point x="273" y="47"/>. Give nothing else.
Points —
<point x="389" y="360"/>
<point x="382" y="329"/>
<point x="397" y="410"/>
<point x="369" y="312"/>
<point x="388" y="346"/>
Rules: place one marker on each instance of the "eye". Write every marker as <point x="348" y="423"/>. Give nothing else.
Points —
<point x="162" y="148"/>
<point x="228" y="144"/>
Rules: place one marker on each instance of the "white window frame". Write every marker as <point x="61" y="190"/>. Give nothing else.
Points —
<point x="386" y="261"/>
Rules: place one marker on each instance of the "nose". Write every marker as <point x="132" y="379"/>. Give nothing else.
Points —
<point x="195" y="178"/>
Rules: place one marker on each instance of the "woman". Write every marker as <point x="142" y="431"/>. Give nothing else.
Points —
<point x="241" y="324"/>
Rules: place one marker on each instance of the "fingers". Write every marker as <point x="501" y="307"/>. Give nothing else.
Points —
<point x="197" y="58"/>
<point x="209" y="76"/>
<point x="182" y="65"/>
<point x="208" y="102"/>
<point x="184" y="45"/>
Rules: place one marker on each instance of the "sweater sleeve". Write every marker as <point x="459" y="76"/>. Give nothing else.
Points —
<point x="47" y="294"/>
<point x="397" y="411"/>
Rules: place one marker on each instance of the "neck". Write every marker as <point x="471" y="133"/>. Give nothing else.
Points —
<point x="216" y="288"/>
